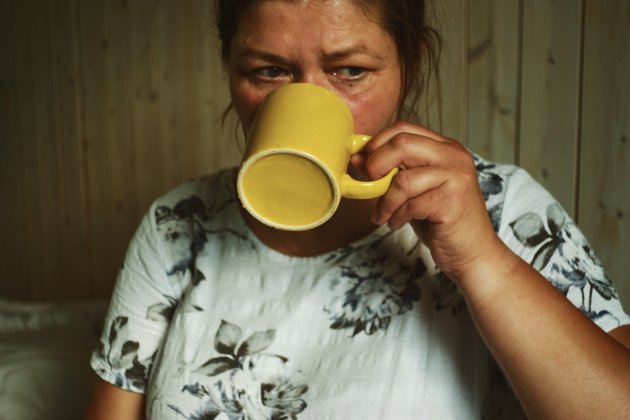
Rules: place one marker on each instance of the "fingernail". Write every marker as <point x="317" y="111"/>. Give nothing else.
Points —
<point x="394" y="226"/>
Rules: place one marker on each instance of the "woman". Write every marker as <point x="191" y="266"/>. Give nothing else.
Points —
<point x="218" y="316"/>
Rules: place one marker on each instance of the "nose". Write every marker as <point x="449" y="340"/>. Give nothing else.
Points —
<point x="312" y="77"/>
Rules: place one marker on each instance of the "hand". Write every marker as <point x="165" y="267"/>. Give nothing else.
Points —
<point x="438" y="193"/>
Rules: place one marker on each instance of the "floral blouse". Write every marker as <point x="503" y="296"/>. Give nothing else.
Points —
<point x="210" y="323"/>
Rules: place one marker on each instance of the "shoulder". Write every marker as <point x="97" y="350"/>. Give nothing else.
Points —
<point x="516" y="200"/>
<point x="497" y="179"/>
<point x="183" y="218"/>
<point x="508" y="189"/>
<point x="196" y="199"/>
<point x="206" y="191"/>
<point x="538" y="229"/>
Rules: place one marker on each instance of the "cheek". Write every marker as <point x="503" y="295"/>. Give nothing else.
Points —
<point x="246" y="102"/>
<point x="245" y="107"/>
<point x="372" y="115"/>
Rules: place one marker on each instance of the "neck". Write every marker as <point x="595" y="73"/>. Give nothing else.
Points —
<point x="350" y="223"/>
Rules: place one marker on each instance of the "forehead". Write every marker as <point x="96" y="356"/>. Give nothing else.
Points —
<point x="308" y="23"/>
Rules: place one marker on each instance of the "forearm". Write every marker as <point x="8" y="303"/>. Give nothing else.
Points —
<point x="110" y="402"/>
<point x="560" y="364"/>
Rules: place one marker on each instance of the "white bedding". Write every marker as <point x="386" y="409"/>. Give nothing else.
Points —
<point x="44" y="358"/>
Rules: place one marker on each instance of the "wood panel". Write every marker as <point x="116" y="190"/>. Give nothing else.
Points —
<point x="46" y="239"/>
<point x="71" y="245"/>
<point x="13" y="243"/>
<point x="154" y="92"/>
<point x="108" y="142"/>
<point x="205" y="92"/>
<point x="145" y="98"/>
<point x="451" y="20"/>
<point x="28" y="175"/>
<point x="493" y="79"/>
<point x="551" y="71"/>
<point x="108" y="104"/>
<point x="604" y="177"/>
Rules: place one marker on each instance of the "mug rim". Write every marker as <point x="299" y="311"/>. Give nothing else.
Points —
<point x="245" y="202"/>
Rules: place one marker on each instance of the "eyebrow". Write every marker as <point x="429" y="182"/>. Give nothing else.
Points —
<point x="359" y="49"/>
<point x="261" y="54"/>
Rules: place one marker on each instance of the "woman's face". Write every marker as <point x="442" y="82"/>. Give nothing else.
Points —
<point x="332" y="44"/>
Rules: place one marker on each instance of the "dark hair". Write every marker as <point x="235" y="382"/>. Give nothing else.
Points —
<point x="405" y="21"/>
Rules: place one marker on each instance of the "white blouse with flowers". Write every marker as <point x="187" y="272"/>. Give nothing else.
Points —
<point x="210" y="323"/>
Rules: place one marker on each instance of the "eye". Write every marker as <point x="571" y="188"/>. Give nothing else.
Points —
<point x="349" y="72"/>
<point x="270" y="72"/>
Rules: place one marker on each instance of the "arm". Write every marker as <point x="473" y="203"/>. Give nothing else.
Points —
<point x="133" y="330"/>
<point x="560" y="364"/>
<point x="110" y="402"/>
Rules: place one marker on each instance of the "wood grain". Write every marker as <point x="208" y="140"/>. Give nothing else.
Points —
<point x="493" y="88"/>
<point x="604" y="175"/>
<point x="108" y="104"/>
<point x="451" y="20"/>
<point x="14" y="241"/>
<point x="550" y="99"/>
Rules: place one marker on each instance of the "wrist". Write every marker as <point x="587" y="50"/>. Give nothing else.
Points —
<point x="489" y="273"/>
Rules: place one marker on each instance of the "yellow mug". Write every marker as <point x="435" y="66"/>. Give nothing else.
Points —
<point x="293" y="173"/>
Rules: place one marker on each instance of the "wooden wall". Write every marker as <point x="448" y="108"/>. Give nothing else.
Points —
<point x="106" y="104"/>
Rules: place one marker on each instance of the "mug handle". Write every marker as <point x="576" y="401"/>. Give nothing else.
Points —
<point x="351" y="188"/>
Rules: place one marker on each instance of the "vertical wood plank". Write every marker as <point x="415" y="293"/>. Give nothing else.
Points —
<point x="106" y="105"/>
<point x="189" y="53"/>
<point x="550" y="95"/>
<point x="144" y="99"/>
<point x="72" y="280"/>
<point x="13" y="245"/>
<point x="493" y="78"/>
<point x="604" y="195"/>
<point x="46" y="150"/>
<point x="26" y="168"/>
<point x="171" y="98"/>
<point x="229" y="140"/>
<point x="110" y="153"/>
<point x="201" y="92"/>
<point x="38" y="158"/>
<point x="451" y="21"/>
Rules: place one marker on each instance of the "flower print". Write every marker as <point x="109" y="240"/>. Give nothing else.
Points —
<point x="121" y="354"/>
<point x="180" y="227"/>
<point x="580" y="269"/>
<point x="491" y="185"/>
<point x="495" y="213"/>
<point x="352" y="249"/>
<point x="447" y="295"/>
<point x="249" y="384"/>
<point x="490" y="182"/>
<point x="284" y="397"/>
<point x="163" y="311"/>
<point x="375" y="291"/>
<point x="530" y="230"/>
<point x="184" y="229"/>
<point x="565" y="253"/>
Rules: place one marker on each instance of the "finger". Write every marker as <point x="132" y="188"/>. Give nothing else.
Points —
<point x="358" y="161"/>
<point x="412" y="150"/>
<point x="403" y="127"/>
<point x="455" y="199"/>
<point x="407" y="185"/>
<point x="423" y="208"/>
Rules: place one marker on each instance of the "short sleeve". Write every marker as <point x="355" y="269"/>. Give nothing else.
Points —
<point x="537" y="228"/>
<point x="141" y="306"/>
